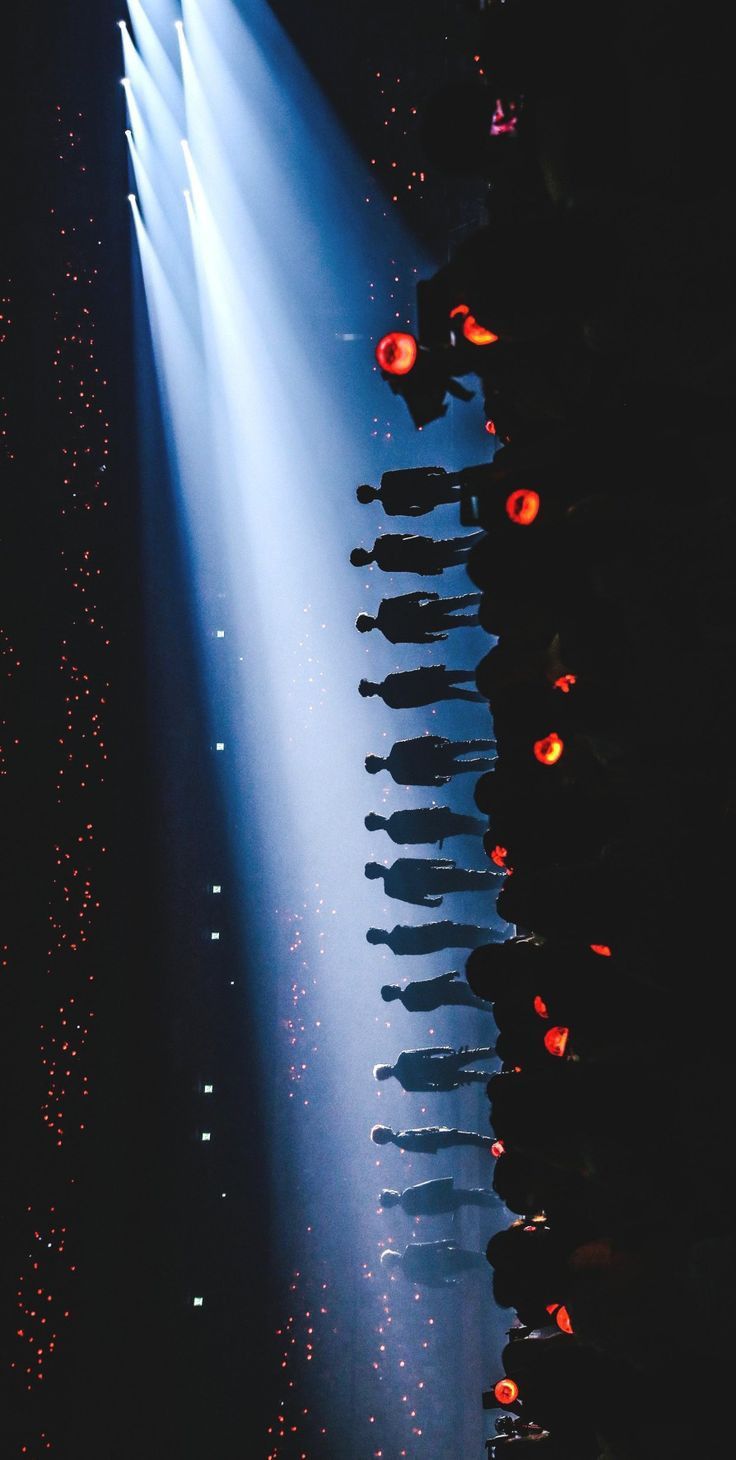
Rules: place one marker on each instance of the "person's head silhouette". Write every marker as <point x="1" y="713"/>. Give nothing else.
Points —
<point x="390" y="1198"/>
<point x="360" y="557"/>
<point x="382" y="1135"/>
<point x="366" y="494"/>
<point x="377" y="935"/>
<point x="390" y="991"/>
<point x="373" y="822"/>
<point x="373" y="764"/>
<point x="374" y="870"/>
<point x="383" y="1072"/>
<point x="390" y="1258"/>
<point x="364" y="623"/>
<point x="367" y="687"/>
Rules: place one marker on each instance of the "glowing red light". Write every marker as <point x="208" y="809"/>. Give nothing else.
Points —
<point x="396" y="353"/>
<point x="555" y="1040"/>
<point x="476" y="333"/>
<point x="565" y="683"/>
<point x="562" y="1319"/>
<point x="601" y="948"/>
<point x="499" y="855"/>
<point x="506" y="1391"/>
<point x="497" y="1149"/>
<point x="549" y="749"/>
<point x="491" y="428"/>
<point x="522" y="506"/>
<point x="540" y="1007"/>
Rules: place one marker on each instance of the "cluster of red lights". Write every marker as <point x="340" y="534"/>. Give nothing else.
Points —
<point x="9" y="666"/>
<point x="81" y="433"/>
<point x="399" y="122"/>
<point x="40" y="1314"/>
<point x="6" y="326"/>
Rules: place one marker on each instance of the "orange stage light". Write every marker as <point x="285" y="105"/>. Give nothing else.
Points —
<point x="506" y="1391"/>
<point x="549" y="749"/>
<point x="522" y="506"/>
<point x="555" y="1040"/>
<point x="396" y="353"/>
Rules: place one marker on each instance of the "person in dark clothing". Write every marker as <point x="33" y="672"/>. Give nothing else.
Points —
<point x="410" y="688"/>
<point x="429" y="1139"/>
<point x="407" y="552"/>
<point x="426" y="823"/>
<point x="412" y="492"/>
<point x="432" y="937"/>
<point x="424" y="880"/>
<point x="424" y="995"/>
<point x="430" y="760"/>
<point x="434" y="1198"/>
<point x="436" y="1068"/>
<point x="420" y="618"/>
<point x="435" y="1264"/>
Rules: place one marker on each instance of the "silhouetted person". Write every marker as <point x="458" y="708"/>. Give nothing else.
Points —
<point x="429" y="1139"/>
<point x="410" y="688"/>
<point x="424" y="880"/>
<point x="434" y="1264"/>
<point x="436" y="1068"/>
<point x="434" y="1198"/>
<point x="421" y="617"/>
<point x="424" y="995"/>
<point x="432" y="937"/>
<point x="412" y="492"/>
<point x="407" y="552"/>
<point x="431" y="760"/>
<point x="426" y="823"/>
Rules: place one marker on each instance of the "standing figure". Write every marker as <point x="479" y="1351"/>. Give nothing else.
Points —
<point x="434" y="1198"/>
<point x="404" y="938"/>
<point x="410" y="688"/>
<point x="431" y="760"/>
<point x="434" y="1264"/>
<point x="429" y="1139"/>
<point x="407" y="552"/>
<point x="426" y="994"/>
<point x="413" y="491"/>
<point x="426" y="823"/>
<point x="424" y="880"/>
<point x="436" y="1068"/>
<point x="420" y="618"/>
